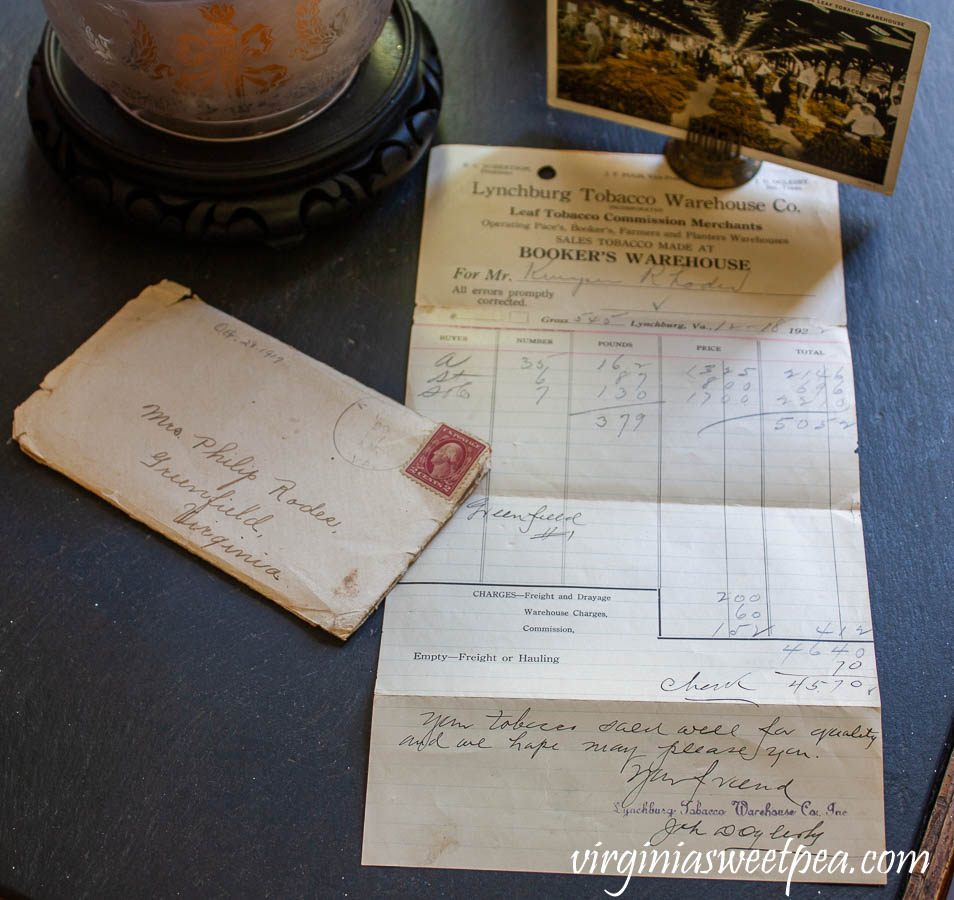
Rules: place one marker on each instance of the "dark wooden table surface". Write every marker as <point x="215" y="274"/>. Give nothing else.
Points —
<point x="166" y="732"/>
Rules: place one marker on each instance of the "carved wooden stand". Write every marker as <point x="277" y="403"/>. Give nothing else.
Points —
<point x="274" y="189"/>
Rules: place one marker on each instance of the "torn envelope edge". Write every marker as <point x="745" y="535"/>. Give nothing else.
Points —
<point x="342" y="625"/>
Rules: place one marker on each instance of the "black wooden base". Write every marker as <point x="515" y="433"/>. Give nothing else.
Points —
<point x="274" y="189"/>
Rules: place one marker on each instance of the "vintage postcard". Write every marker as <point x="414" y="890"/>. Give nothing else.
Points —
<point x="826" y="86"/>
<point x="297" y="480"/>
<point x="644" y="645"/>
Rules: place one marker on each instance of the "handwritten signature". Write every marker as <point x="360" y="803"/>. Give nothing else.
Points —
<point x="655" y="276"/>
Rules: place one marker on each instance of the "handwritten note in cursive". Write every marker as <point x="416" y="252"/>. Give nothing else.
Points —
<point x="673" y="273"/>
<point x="546" y="779"/>
<point x="220" y="516"/>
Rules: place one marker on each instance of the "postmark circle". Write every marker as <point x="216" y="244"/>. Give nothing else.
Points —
<point x="363" y="436"/>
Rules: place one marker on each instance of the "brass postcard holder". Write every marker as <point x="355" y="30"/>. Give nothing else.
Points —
<point x="710" y="156"/>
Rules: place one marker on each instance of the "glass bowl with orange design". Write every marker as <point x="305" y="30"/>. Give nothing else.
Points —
<point x="220" y="71"/>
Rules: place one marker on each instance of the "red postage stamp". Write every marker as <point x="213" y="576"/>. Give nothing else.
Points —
<point x="445" y="459"/>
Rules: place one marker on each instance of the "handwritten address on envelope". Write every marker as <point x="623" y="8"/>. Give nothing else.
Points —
<point x="288" y="475"/>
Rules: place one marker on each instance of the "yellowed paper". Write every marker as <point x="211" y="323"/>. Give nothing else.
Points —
<point x="672" y="522"/>
<point x="665" y="789"/>
<point x="295" y="479"/>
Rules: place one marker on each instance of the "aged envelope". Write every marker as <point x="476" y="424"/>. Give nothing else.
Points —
<point x="300" y="482"/>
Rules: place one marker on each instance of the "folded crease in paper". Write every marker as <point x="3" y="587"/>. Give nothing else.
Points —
<point x="648" y="638"/>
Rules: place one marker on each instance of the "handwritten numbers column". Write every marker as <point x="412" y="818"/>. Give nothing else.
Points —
<point x="452" y="379"/>
<point x="525" y="533"/>
<point x="748" y="601"/>
<point x="612" y="464"/>
<point x="848" y="551"/>
<point x="712" y="582"/>
<point x="807" y="403"/>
